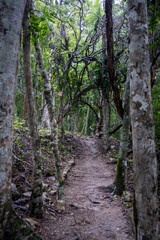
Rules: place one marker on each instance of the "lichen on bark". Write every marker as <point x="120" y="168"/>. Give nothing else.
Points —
<point x="144" y="156"/>
<point x="36" y="203"/>
<point x="11" y="14"/>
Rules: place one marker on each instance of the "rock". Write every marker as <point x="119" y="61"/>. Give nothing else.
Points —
<point x="19" y="229"/>
<point x="53" y="192"/>
<point x="112" y="161"/>
<point x="127" y="196"/>
<point x="61" y="205"/>
<point x="45" y="187"/>
<point x="112" y="147"/>
<point x="31" y="221"/>
<point x="27" y="194"/>
<point x="15" y="192"/>
<point x="94" y="200"/>
<point x="52" y="178"/>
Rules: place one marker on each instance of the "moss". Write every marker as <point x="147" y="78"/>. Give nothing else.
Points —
<point x="16" y="224"/>
<point x="120" y="177"/>
<point x="27" y="231"/>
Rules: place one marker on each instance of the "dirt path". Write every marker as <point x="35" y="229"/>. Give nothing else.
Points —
<point x="89" y="215"/>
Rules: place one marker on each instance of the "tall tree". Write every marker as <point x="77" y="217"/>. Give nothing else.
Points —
<point x="36" y="204"/>
<point x="54" y="126"/>
<point x="144" y="156"/>
<point x="11" y="15"/>
<point x="105" y="90"/>
<point x="110" y="52"/>
<point x="121" y="163"/>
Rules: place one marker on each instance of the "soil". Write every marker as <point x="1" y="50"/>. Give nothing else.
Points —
<point x="92" y="212"/>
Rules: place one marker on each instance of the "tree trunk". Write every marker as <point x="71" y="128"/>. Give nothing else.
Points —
<point x="25" y="107"/>
<point x="120" y="182"/>
<point x="105" y="91"/>
<point x="145" y="162"/>
<point x="61" y="115"/>
<point x="72" y="121"/>
<point x="11" y="14"/>
<point x="110" y="52"/>
<point x="106" y="121"/>
<point x="36" y="91"/>
<point x="86" y="123"/>
<point x="76" y="124"/>
<point x="54" y="130"/>
<point x="45" y="120"/>
<point x="36" y="204"/>
<point x="100" y="121"/>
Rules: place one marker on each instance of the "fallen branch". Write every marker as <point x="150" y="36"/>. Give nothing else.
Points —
<point x="15" y="157"/>
<point x="115" y="129"/>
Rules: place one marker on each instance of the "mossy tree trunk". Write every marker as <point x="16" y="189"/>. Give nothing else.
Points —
<point x="36" y="203"/>
<point x="144" y="155"/>
<point x="11" y="15"/>
<point x="105" y="91"/>
<point x="54" y="126"/>
<point x="110" y="54"/>
<point x="122" y="161"/>
<point x="86" y="122"/>
<point x="106" y="121"/>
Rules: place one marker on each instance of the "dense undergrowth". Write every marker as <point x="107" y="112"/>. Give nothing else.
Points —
<point x="22" y="164"/>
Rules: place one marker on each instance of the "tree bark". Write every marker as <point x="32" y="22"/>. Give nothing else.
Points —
<point x="36" y="203"/>
<point x="25" y="107"/>
<point x="72" y="121"/>
<point x="61" y="115"/>
<point x="86" y="123"/>
<point x="106" y="121"/>
<point x="54" y="126"/>
<point x="105" y="91"/>
<point x="45" y="120"/>
<point x="120" y="181"/>
<point x="11" y="15"/>
<point x="144" y="156"/>
<point x="110" y="52"/>
<point x="100" y="121"/>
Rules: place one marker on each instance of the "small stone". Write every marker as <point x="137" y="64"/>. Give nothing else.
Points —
<point x="27" y="194"/>
<point x="127" y="196"/>
<point x="15" y="192"/>
<point x="112" y="146"/>
<point x="61" y="205"/>
<point x="45" y="187"/>
<point x="31" y="221"/>
<point x="53" y="192"/>
<point x="51" y="178"/>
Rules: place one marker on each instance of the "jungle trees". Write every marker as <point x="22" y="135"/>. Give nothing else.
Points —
<point x="36" y="203"/>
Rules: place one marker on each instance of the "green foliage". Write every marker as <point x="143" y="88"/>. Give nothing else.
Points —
<point x="156" y="108"/>
<point x="19" y="125"/>
<point x="39" y="25"/>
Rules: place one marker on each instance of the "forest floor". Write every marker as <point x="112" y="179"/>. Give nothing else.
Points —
<point x="92" y="213"/>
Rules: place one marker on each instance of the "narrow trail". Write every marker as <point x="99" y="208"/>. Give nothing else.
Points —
<point x="89" y="215"/>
